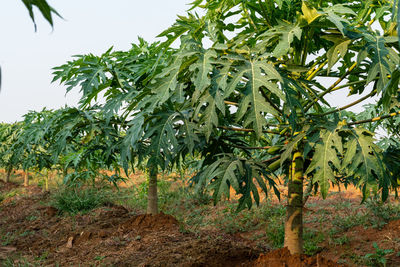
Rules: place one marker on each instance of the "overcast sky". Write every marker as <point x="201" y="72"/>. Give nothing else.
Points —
<point x="89" y="26"/>
<point x="26" y="57"/>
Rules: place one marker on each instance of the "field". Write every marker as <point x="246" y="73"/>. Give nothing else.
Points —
<point x="93" y="227"/>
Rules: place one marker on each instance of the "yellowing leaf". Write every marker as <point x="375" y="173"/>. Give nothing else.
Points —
<point x="310" y="14"/>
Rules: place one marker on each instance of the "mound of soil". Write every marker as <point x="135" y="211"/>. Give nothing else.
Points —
<point x="282" y="257"/>
<point x="150" y="222"/>
<point x="112" y="236"/>
<point x="5" y="187"/>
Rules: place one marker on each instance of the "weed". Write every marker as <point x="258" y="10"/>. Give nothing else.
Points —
<point x="276" y="233"/>
<point x="274" y="217"/>
<point x="341" y="205"/>
<point x="99" y="258"/>
<point x="43" y="256"/>
<point x="27" y="233"/>
<point x="339" y="241"/>
<point x="78" y="199"/>
<point x="20" y="262"/>
<point x="7" y="239"/>
<point x="31" y="218"/>
<point x="379" y="257"/>
<point x="348" y="222"/>
<point x="381" y="213"/>
<point x="312" y="239"/>
<point x="10" y="194"/>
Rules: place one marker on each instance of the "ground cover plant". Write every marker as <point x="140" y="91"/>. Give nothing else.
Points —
<point x="241" y="100"/>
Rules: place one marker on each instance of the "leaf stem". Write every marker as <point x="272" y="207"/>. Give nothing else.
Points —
<point x="270" y="102"/>
<point x="331" y="87"/>
<point x="236" y="129"/>
<point x="349" y="105"/>
<point x="251" y="147"/>
<point x="374" y="119"/>
<point x="271" y="159"/>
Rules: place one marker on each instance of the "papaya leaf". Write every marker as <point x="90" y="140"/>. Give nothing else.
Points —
<point x="327" y="152"/>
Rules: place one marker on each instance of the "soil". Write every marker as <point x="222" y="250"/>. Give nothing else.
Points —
<point x="110" y="235"/>
<point x="117" y="236"/>
<point x="282" y="257"/>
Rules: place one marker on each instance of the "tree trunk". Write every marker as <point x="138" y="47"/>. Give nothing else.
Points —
<point x="8" y="175"/>
<point x="152" y="199"/>
<point x="46" y="186"/>
<point x="294" y="211"/>
<point x="26" y="179"/>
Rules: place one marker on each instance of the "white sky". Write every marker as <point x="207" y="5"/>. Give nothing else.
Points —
<point x="90" y="26"/>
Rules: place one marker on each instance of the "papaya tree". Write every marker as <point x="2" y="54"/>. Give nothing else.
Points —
<point x="259" y="68"/>
<point x="86" y="143"/>
<point x="123" y="78"/>
<point x="250" y="79"/>
<point x="8" y="135"/>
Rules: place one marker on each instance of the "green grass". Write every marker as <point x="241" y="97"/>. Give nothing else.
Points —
<point x="312" y="240"/>
<point x="7" y="238"/>
<point x="81" y="199"/>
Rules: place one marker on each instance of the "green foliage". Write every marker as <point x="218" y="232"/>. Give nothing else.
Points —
<point x="379" y="257"/>
<point x="381" y="213"/>
<point x="77" y="199"/>
<point x="262" y="80"/>
<point x="312" y="239"/>
<point x="45" y="9"/>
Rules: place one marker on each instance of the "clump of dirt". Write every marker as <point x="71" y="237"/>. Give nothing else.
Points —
<point x="282" y="257"/>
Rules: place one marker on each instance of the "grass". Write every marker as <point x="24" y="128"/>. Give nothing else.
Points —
<point x="81" y="199"/>
<point x="7" y="238"/>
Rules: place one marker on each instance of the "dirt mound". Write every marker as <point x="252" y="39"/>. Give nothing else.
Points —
<point x="282" y="257"/>
<point x="150" y="222"/>
<point x="4" y="187"/>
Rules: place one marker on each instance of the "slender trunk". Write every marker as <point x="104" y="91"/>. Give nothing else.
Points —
<point x="26" y="179"/>
<point x="46" y="186"/>
<point x="294" y="218"/>
<point x="152" y="199"/>
<point x="8" y="175"/>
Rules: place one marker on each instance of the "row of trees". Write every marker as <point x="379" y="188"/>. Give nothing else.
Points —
<point x="62" y="140"/>
<point x="245" y="91"/>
